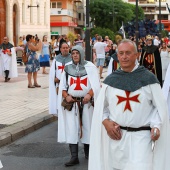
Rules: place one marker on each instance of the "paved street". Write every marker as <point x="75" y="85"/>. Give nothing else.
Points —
<point x="39" y="151"/>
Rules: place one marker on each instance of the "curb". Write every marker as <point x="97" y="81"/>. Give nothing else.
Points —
<point x="18" y="130"/>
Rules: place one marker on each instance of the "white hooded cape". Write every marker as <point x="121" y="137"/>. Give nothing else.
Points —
<point x="99" y="140"/>
<point x="93" y="76"/>
<point x="13" y="72"/>
<point x="166" y="88"/>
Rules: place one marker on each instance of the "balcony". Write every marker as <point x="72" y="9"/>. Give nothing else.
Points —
<point x="59" y="11"/>
<point x="77" y="1"/>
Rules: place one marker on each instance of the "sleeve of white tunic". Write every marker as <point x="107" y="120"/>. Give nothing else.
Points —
<point x="155" y="119"/>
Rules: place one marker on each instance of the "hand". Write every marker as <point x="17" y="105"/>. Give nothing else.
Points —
<point x="156" y="137"/>
<point x="86" y="98"/>
<point x="69" y="99"/>
<point x="113" y="129"/>
<point x="56" y="80"/>
<point x="9" y="53"/>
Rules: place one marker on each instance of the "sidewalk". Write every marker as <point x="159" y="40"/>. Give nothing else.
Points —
<point x="24" y="110"/>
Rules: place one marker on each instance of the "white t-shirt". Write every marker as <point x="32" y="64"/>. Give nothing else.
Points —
<point x="56" y="44"/>
<point x="100" y="49"/>
<point x="156" y="42"/>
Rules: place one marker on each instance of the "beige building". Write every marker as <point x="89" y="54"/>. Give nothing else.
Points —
<point x="22" y="17"/>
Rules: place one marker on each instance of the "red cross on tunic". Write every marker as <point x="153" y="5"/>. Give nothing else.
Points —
<point x="5" y="51"/>
<point x="78" y="82"/>
<point x="127" y="99"/>
<point x="61" y="68"/>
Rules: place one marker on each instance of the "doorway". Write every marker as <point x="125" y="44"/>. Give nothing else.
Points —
<point x="2" y="20"/>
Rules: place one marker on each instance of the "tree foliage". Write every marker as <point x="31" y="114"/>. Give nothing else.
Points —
<point x="111" y="13"/>
<point x="103" y="32"/>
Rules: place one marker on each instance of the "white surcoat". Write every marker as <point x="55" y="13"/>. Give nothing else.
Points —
<point x="69" y="130"/>
<point x="143" y="107"/>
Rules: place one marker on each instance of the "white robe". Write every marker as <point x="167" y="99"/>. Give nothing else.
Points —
<point x="166" y="88"/>
<point x="53" y="97"/>
<point x="135" y="145"/>
<point x="8" y="63"/>
<point x="68" y="121"/>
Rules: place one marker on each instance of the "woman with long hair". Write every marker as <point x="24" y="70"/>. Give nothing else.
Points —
<point x="33" y="65"/>
<point x="45" y="55"/>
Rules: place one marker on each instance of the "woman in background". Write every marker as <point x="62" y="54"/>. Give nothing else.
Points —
<point x="33" y="65"/>
<point x="45" y="55"/>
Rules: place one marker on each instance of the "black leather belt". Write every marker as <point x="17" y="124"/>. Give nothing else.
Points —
<point x="78" y="99"/>
<point x="130" y="129"/>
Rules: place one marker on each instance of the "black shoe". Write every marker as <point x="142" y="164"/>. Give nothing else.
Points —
<point x="74" y="155"/>
<point x="72" y="162"/>
<point x="86" y="151"/>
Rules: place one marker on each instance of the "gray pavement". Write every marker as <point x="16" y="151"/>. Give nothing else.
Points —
<point x="24" y="110"/>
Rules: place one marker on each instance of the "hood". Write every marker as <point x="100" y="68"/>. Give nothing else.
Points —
<point x="82" y="54"/>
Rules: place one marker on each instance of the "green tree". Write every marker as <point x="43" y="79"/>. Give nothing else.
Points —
<point x="103" y="32"/>
<point x="111" y="13"/>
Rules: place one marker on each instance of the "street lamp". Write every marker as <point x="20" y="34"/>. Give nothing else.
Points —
<point x="137" y="30"/>
<point x="37" y="2"/>
<point x="160" y="20"/>
<point x="87" y="33"/>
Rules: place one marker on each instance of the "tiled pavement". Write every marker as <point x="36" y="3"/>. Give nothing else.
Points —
<point x="22" y="109"/>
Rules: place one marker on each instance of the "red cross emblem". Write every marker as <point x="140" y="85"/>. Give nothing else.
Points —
<point x="5" y="51"/>
<point x="61" y="68"/>
<point x="128" y="99"/>
<point x="78" y="82"/>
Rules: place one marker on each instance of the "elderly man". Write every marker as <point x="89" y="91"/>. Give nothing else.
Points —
<point x="79" y="87"/>
<point x="8" y="62"/>
<point x="56" y="69"/>
<point x="129" y="116"/>
<point x="150" y="58"/>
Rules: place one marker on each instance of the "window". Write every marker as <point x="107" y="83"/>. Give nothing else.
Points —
<point x="53" y="4"/>
<point x="59" y="4"/>
<point x="79" y="16"/>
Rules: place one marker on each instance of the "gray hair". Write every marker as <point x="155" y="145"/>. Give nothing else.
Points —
<point x="99" y="38"/>
<point x="129" y="41"/>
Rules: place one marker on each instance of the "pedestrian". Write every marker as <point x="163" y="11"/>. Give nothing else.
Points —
<point x="45" y="55"/>
<point x="79" y="41"/>
<point x="62" y="40"/>
<point x="8" y="61"/>
<point x="56" y="69"/>
<point x="79" y="87"/>
<point x="165" y="60"/>
<point x="33" y="65"/>
<point x="99" y="50"/>
<point x="130" y="126"/>
<point x="56" y="46"/>
<point x="150" y="58"/>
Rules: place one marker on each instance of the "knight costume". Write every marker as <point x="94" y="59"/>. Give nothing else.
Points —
<point x="56" y="69"/>
<point x="8" y="63"/>
<point x="150" y="59"/>
<point x="134" y="101"/>
<point x="75" y="125"/>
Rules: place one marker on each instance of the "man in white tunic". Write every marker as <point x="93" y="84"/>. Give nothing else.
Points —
<point x="8" y="62"/>
<point x="129" y="116"/>
<point x="79" y="85"/>
<point x="56" y="69"/>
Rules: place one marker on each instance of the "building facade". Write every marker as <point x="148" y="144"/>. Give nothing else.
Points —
<point x="151" y="10"/>
<point x="22" y="17"/>
<point x="67" y="16"/>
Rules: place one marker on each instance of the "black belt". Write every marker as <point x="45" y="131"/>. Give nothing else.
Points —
<point x="78" y="99"/>
<point x="130" y="129"/>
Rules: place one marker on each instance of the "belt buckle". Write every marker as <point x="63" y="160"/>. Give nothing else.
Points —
<point x="127" y="128"/>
